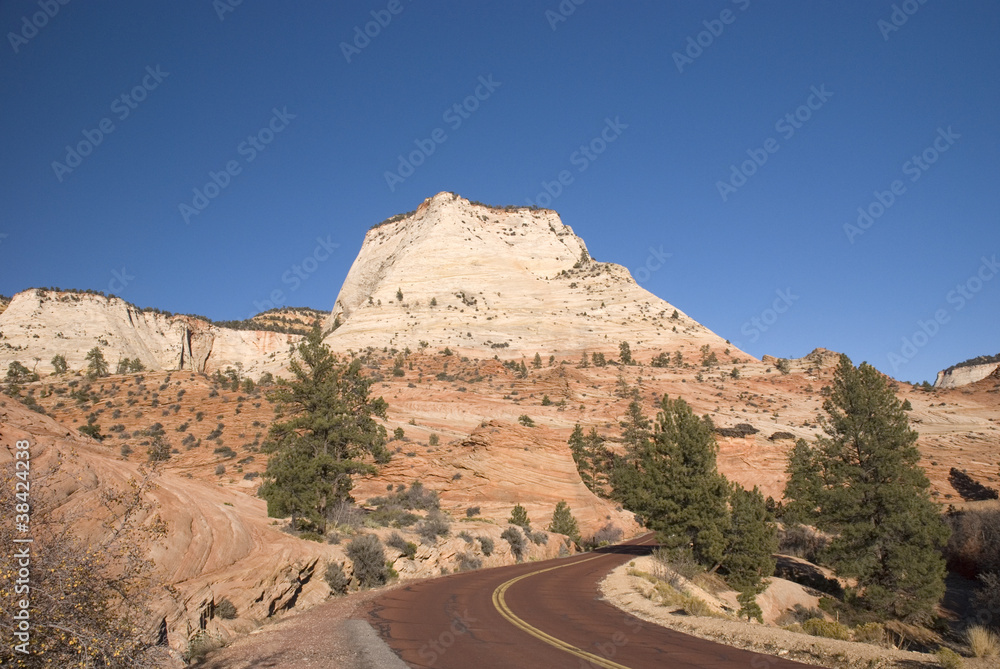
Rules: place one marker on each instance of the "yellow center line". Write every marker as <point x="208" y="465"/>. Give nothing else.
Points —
<point x="501" y="605"/>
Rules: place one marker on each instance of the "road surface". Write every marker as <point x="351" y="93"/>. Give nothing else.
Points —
<point x="541" y="614"/>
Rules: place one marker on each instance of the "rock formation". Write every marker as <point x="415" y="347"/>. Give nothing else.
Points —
<point x="963" y="375"/>
<point x="39" y="324"/>
<point x="508" y="281"/>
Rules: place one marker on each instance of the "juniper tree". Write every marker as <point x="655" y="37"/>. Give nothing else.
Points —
<point x="59" y="364"/>
<point x="671" y="483"/>
<point x="329" y="434"/>
<point x="862" y="482"/>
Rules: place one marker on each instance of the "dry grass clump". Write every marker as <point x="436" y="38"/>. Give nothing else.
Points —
<point x="982" y="642"/>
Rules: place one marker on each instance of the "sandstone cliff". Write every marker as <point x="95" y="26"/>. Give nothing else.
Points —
<point x="39" y="324"/>
<point x="505" y="281"/>
<point x="963" y="376"/>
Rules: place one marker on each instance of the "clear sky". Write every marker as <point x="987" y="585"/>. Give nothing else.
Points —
<point x="716" y="149"/>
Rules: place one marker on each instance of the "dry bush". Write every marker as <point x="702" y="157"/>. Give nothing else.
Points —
<point x="88" y="595"/>
<point x="801" y="541"/>
<point x="974" y="547"/>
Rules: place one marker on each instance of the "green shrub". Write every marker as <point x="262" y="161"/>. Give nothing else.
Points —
<point x="870" y="633"/>
<point x="829" y="629"/>
<point x="948" y="658"/>
<point x="368" y="556"/>
<point x="472" y="512"/>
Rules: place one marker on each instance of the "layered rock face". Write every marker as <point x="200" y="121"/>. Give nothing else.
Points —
<point x="39" y="324"/>
<point x="963" y="376"/>
<point x="511" y="282"/>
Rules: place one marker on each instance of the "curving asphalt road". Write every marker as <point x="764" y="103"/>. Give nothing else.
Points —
<point x="541" y="614"/>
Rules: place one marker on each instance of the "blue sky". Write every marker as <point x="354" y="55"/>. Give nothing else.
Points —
<point x="828" y="101"/>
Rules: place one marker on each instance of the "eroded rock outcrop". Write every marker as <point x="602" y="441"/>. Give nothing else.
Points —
<point x="39" y="324"/>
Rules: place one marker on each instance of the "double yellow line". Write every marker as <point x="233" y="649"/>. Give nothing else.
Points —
<point x="501" y="605"/>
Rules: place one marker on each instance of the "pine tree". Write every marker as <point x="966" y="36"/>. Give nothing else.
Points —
<point x="636" y="430"/>
<point x="519" y="517"/>
<point x="672" y="484"/>
<point x="594" y="461"/>
<point x="751" y="541"/>
<point x="537" y="362"/>
<point x="563" y="522"/>
<point x="329" y="434"/>
<point x="625" y="353"/>
<point x="97" y="366"/>
<point x="578" y="448"/>
<point x="862" y="481"/>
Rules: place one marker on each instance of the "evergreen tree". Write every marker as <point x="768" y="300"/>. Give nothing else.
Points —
<point x="578" y="448"/>
<point x="593" y="459"/>
<point x="635" y="428"/>
<point x="751" y="541"/>
<point x="625" y="353"/>
<point x="563" y="522"/>
<point x="519" y="517"/>
<point x="584" y="360"/>
<point x="537" y="362"/>
<point x="672" y="484"/>
<point x="59" y="363"/>
<point x="862" y="482"/>
<point x="18" y="374"/>
<point x="329" y="431"/>
<point x="97" y="366"/>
